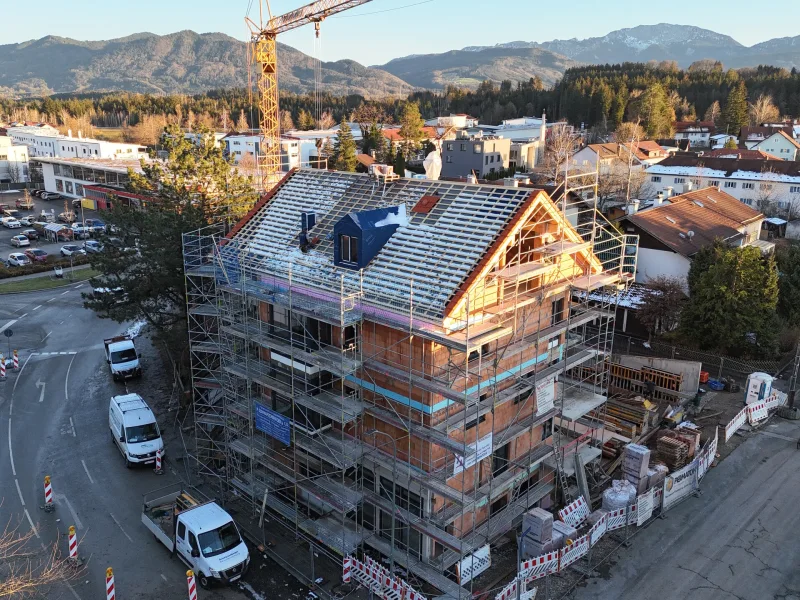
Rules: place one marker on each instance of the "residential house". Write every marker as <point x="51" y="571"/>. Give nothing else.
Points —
<point x="740" y="154"/>
<point x="697" y="132"/>
<point x="237" y="146"/>
<point x="676" y="228"/>
<point x="602" y="157"/>
<point x="13" y="161"/>
<point x="44" y="140"/>
<point x="750" y="137"/>
<point x="769" y="185"/>
<point x="477" y="154"/>
<point x="376" y="365"/>
<point x="780" y="144"/>
<point x="720" y="139"/>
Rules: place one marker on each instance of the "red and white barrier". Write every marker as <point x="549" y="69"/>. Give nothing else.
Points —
<point x="347" y="569"/>
<point x="616" y="519"/>
<point x="570" y="554"/>
<point x="735" y="423"/>
<point x="73" y="544"/>
<point x="414" y="595"/>
<point x="16" y="360"/>
<point x="190" y="583"/>
<point x="509" y="592"/>
<point x="775" y="399"/>
<point x="598" y="530"/>
<point x="48" y="494"/>
<point x="158" y="470"/>
<point x="633" y="514"/>
<point x="539" y="566"/>
<point x="575" y="513"/>
<point x="757" y="412"/>
<point x="2" y="367"/>
<point x="110" y="591"/>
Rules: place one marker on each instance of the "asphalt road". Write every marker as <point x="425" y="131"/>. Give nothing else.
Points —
<point x="54" y="421"/>
<point x="739" y="539"/>
<point x="56" y="205"/>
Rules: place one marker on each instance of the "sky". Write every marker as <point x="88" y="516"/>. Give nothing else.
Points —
<point x="380" y="30"/>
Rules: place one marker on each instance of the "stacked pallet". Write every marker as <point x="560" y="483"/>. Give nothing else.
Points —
<point x="672" y="452"/>
<point x="629" y="417"/>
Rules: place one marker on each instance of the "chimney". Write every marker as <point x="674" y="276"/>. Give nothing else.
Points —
<point x="543" y="135"/>
<point x="69" y="133"/>
<point x="80" y="134"/>
<point x="511" y="182"/>
<point x="633" y="207"/>
<point x="659" y="199"/>
<point x="471" y="178"/>
<point x="687" y="187"/>
<point x="668" y="192"/>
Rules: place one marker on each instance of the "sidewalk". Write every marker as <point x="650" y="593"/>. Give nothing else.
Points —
<point x="43" y="274"/>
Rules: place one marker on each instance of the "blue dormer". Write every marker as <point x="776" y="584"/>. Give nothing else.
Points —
<point x="358" y="237"/>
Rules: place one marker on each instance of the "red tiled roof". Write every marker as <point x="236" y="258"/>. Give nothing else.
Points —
<point x="740" y="153"/>
<point x="393" y="135"/>
<point x="365" y="159"/>
<point x="721" y="203"/>
<point x="425" y="204"/>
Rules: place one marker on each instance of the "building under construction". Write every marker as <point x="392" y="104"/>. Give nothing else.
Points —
<point x="403" y="367"/>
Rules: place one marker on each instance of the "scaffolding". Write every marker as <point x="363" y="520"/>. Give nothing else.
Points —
<point x="366" y="422"/>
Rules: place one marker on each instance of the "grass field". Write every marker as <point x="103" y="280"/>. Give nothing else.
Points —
<point x="45" y="282"/>
<point x="109" y="134"/>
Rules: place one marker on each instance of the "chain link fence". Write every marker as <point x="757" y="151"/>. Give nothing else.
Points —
<point x="717" y="366"/>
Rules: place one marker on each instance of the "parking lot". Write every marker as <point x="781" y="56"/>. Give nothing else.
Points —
<point x="57" y="206"/>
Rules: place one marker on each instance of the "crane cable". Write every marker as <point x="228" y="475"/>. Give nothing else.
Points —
<point x="317" y="74"/>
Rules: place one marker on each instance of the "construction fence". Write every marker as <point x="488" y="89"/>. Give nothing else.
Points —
<point x="622" y="524"/>
<point x="715" y="365"/>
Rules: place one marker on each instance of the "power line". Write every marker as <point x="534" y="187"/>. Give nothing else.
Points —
<point x="376" y="12"/>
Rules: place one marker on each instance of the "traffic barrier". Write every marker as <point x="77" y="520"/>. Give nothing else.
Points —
<point x="575" y="513"/>
<point x="598" y="530"/>
<point x="508" y="592"/>
<point x="73" y="544"/>
<point x="48" y="494"/>
<point x="735" y="423"/>
<point x="16" y="360"/>
<point x="2" y="367"/>
<point x="158" y="462"/>
<point x="616" y="519"/>
<point x="110" y="591"/>
<point x="191" y="585"/>
<point x="539" y="566"/>
<point x="347" y="569"/>
<point x="633" y="514"/>
<point x="757" y="412"/>
<point x="570" y="554"/>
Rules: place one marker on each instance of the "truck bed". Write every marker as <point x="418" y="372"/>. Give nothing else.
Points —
<point x="161" y="507"/>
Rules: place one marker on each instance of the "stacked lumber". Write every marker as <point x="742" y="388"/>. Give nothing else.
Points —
<point x="629" y="417"/>
<point x="672" y="452"/>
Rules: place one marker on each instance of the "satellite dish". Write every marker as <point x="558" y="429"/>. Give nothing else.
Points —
<point x="690" y="234"/>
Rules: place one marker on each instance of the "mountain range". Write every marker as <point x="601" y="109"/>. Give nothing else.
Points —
<point x="187" y="62"/>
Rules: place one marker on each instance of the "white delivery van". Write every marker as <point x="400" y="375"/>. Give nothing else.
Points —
<point x="134" y="429"/>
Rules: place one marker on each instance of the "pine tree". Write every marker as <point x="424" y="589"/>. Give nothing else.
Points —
<point x="411" y="124"/>
<point x="344" y="148"/>
<point x="735" y="113"/>
<point x="730" y="144"/>
<point x="388" y="156"/>
<point x="242" y="124"/>
<point x="400" y="163"/>
<point x="305" y="121"/>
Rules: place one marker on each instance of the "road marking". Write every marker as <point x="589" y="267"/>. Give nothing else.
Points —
<point x="35" y="308"/>
<point x="33" y="527"/>
<point x="10" y="451"/>
<point x="779" y="436"/>
<point x="47" y="336"/>
<point x="23" y="316"/>
<point x="19" y="491"/>
<point x="162" y="577"/>
<point x="43" y="385"/>
<point x="75" y="519"/>
<point x="9" y="324"/>
<point x="71" y="589"/>
<point x="72" y="425"/>
<point x="51" y="299"/>
<point x="62" y="293"/>
<point x="113" y="518"/>
<point x="69" y="353"/>
<point x="66" y="379"/>
<point x="85" y="468"/>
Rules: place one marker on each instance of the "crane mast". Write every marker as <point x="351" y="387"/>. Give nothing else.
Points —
<point x="264" y="42"/>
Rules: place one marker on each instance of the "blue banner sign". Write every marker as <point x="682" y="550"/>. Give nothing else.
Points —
<point x="273" y="424"/>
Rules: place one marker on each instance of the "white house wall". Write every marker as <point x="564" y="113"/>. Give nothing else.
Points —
<point x="652" y="263"/>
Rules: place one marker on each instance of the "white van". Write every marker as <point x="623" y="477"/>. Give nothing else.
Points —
<point x="134" y="429"/>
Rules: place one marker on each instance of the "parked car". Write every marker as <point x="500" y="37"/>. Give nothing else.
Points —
<point x="37" y="193"/>
<point x="22" y="203"/>
<point x="80" y="232"/>
<point x="20" y="240"/>
<point x="92" y="246"/>
<point x="66" y="217"/>
<point x="28" y="220"/>
<point x="18" y="259"/>
<point x="4" y="206"/>
<point x="31" y="234"/>
<point x="52" y="196"/>
<point x="47" y="217"/>
<point x="95" y="225"/>
<point x="10" y="222"/>
<point x="11" y="212"/>
<point x="36" y="255"/>
<point x="70" y="249"/>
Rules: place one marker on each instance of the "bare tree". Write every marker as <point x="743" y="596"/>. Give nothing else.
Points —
<point x="14" y="171"/>
<point x="629" y="131"/>
<point x="713" y="112"/>
<point x="763" y="110"/>
<point x="27" y="570"/>
<point x="326" y="121"/>
<point x="562" y="143"/>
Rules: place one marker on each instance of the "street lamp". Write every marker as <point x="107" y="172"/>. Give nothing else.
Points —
<point x="373" y="432"/>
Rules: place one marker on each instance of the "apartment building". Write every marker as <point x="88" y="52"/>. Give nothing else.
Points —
<point x="768" y="185"/>
<point x="45" y="141"/>
<point x="13" y="161"/>
<point x="398" y="365"/>
<point x="248" y="144"/>
<point x="475" y="154"/>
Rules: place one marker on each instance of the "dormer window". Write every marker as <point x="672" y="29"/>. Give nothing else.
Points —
<point x="348" y="249"/>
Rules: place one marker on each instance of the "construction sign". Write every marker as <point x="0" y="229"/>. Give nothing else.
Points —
<point x="680" y="484"/>
<point x="644" y="505"/>
<point x="737" y="421"/>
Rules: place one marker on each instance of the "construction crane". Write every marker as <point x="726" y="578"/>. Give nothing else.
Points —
<point x="263" y="39"/>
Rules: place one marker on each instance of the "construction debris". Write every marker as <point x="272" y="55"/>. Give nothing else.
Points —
<point x="672" y="451"/>
<point x="629" y="417"/>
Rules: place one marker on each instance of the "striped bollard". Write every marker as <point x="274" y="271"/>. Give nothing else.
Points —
<point x="73" y="545"/>
<point x="110" y="592"/>
<point x="2" y="367"/>
<point x="347" y="569"/>
<point x="16" y="360"/>
<point x="158" y="469"/>
<point x="190" y="583"/>
<point x="48" y="494"/>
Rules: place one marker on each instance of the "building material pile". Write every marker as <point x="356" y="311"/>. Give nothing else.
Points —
<point x="672" y="451"/>
<point x="537" y="528"/>
<point x="629" y="417"/>
<point x="622" y="493"/>
<point x="635" y="464"/>
<point x="667" y="385"/>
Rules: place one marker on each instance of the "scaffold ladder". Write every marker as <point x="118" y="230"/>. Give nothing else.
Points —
<point x="562" y="476"/>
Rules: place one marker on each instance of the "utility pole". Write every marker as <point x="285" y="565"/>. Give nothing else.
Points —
<point x="793" y="378"/>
